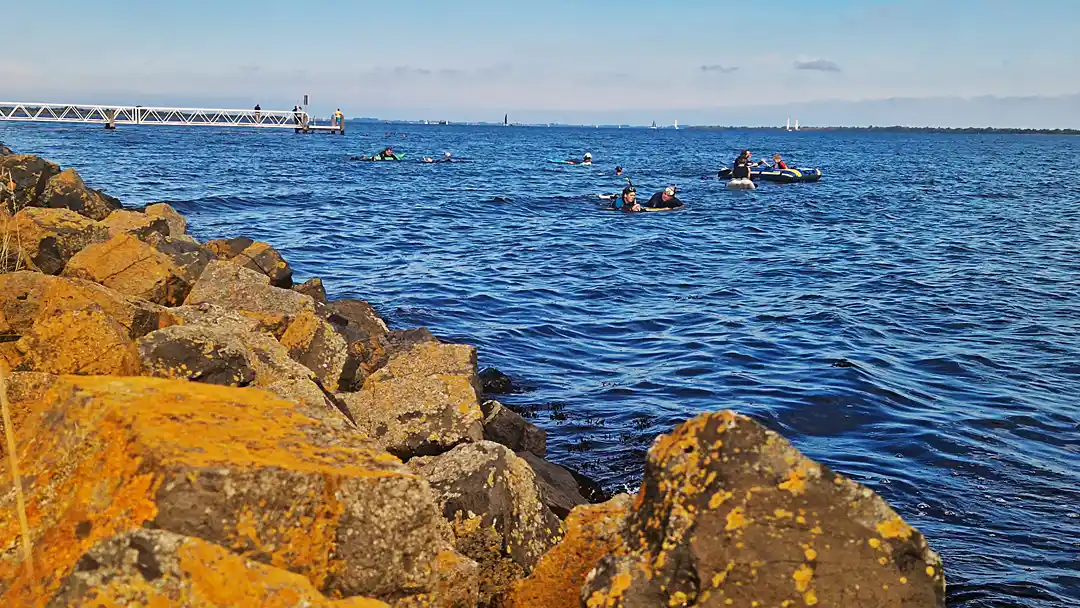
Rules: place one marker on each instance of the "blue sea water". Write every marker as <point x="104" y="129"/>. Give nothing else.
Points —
<point x="911" y="320"/>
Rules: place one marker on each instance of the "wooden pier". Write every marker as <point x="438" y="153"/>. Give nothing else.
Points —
<point x="113" y="116"/>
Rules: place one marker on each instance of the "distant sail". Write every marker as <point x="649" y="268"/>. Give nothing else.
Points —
<point x="505" y="119"/>
<point x="653" y="125"/>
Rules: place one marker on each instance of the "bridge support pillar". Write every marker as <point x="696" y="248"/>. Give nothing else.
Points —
<point x="110" y="117"/>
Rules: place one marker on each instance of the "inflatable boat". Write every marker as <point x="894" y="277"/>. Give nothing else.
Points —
<point x="780" y="176"/>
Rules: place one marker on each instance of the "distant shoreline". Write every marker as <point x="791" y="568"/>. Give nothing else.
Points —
<point x="899" y="129"/>
<point x="870" y="129"/>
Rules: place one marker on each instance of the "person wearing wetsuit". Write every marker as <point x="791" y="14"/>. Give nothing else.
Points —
<point x="665" y="199"/>
<point x="387" y="154"/>
<point x="627" y="201"/>
<point x="740" y="169"/>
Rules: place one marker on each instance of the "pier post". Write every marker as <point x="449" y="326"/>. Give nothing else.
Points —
<point x="341" y="124"/>
<point x="110" y="118"/>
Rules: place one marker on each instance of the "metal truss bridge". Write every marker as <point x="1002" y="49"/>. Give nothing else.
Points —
<point x="112" y="116"/>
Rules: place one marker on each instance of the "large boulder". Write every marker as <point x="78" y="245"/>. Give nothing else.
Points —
<point x="227" y="249"/>
<point x="507" y="427"/>
<point x="197" y="353"/>
<point x="30" y="175"/>
<point x="84" y="342"/>
<point x="188" y="256"/>
<point x="488" y="483"/>
<point x="139" y="225"/>
<point x="232" y="286"/>
<point x="730" y="513"/>
<point x="312" y="288"/>
<point x="133" y="268"/>
<point x="424" y="401"/>
<point x="257" y="332"/>
<point x="66" y="190"/>
<point x="558" y="487"/>
<point x="159" y="568"/>
<point x="45" y="239"/>
<point x="177" y="223"/>
<point x="592" y="531"/>
<point x="235" y="467"/>
<point x="358" y="316"/>
<point x="263" y="258"/>
<point x="26" y="296"/>
<point x="313" y="342"/>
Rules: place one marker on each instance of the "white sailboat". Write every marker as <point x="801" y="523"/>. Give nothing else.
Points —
<point x="788" y="124"/>
<point x="796" y="124"/>
<point x="676" y="125"/>
<point x="653" y="125"/>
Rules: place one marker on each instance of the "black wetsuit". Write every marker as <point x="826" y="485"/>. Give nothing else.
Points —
<point x="741" y="168"/>
<point x="657" y="202"/>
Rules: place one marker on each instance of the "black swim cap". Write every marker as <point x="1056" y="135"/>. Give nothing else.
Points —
<point x="628" y="190"/>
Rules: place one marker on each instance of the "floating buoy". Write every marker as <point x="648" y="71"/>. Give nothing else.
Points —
<point x="741" y="184"/>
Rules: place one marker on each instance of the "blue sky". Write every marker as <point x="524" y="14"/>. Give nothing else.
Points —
<point x="626" y="61"/>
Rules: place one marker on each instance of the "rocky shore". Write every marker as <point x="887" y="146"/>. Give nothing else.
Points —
<point x="194" y="428"/>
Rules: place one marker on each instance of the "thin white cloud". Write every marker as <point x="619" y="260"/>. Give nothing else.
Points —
<point x="818" y="65"/>
<point x="720" y="69"/>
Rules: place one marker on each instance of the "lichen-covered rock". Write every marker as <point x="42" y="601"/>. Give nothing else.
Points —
<point x="312" y="341"/>
<point x="45" y="239"/>
<point x="26" y="296"/>
<point x="358" y="316"/>
<point x="66" y="190"/>
<point x="23" y="390"/>
<point x="558" y="488"/>
<point x="177" y="223"/>
<point x="235" y="287"/>
<point x="30" y="174"/>
<point x="730" y="513"/>
<point x="312" y="288"/>
<point x="488" y="481"/>
<point x="315" y="401"/>
<point x="504" y="426"/>
<point x="263" y="258"/>
<point x="367" y="338"/>
<point x="158" y="568"/>
<point x="138" y="225"/>
<point x="197" y="353"/>
<point x="257" y="332"/>
<point x="83" y="342"/>
<point x="131" y="267"/>
<point x="189" y="257"/>
<point x="422" y="402"/>
<point x="592" y="531"/>
<point x="236" y="467"/>
<point x="227" y="249"/>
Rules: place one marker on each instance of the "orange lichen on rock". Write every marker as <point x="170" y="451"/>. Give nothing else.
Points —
<point x="157" y="568"/>
<point x="133" y="268"/>
<point x="106" y="455"/>
<point x="779" y="511"/>
<point x="83" y="342"/>
<point x="592" y="531"/>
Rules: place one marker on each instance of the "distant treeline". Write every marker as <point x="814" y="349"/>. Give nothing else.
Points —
<point x="899" y="129"/>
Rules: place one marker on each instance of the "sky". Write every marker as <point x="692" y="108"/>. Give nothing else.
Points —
<point x="919" y="62"/>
